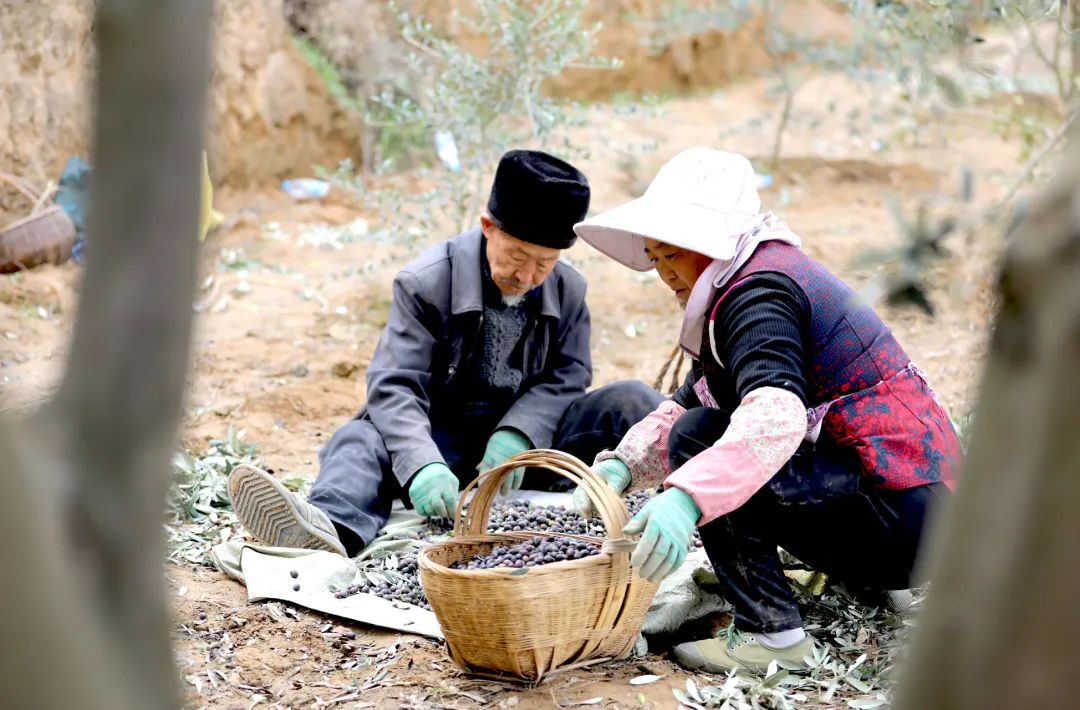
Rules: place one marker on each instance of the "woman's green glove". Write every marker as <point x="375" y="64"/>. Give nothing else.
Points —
<point x="668" y="522"/>
<point x="617" y="475"/>
<point x="434" y="491"/>
<point x="502" y="445"/>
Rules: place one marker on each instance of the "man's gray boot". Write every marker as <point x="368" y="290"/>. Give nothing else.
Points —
<point x="278" y="517"/>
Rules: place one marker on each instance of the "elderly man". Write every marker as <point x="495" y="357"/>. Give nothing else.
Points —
<point x="485" y="355"/>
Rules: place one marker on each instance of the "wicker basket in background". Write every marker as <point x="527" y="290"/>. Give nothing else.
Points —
<point x="45" y="236"/>
<point x="527" y="623"/>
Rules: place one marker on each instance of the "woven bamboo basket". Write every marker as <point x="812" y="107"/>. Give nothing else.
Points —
<point x="45" y="236"/>
<point x="527" y="624"/>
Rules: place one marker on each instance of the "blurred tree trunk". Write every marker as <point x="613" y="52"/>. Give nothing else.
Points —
<point x="1001" y="622"/>
<point x="84" y="618"/>
<point x="1074" y="38"/>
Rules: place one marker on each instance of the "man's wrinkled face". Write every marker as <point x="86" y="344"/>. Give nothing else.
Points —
<point x="517" y="267"/>
<point x="678" y="268"/>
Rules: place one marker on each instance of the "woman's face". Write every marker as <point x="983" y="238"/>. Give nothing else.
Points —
<point x="678" y="268"/>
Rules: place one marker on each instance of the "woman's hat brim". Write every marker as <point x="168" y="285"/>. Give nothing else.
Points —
<point x="621" y="231"/>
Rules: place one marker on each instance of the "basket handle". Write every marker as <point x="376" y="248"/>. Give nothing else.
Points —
<point x="22" y="186"/>
<point x="36" y="197"/>
<point x="612" y="510"/>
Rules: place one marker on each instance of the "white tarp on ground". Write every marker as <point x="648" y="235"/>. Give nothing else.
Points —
<point x="268" y="574"/>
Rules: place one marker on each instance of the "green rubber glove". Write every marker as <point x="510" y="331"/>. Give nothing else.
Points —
<point x="668" y="522"/>
<point x="617" y="475"/>
<point x="434" y="491"/>
<point x="503" y="444"/>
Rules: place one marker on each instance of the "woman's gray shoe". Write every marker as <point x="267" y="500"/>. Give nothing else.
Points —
<point x="899" y="601"/>
<point x="278" y="517"/>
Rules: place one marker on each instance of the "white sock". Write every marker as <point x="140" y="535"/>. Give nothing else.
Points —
<point x="781" y="639"/>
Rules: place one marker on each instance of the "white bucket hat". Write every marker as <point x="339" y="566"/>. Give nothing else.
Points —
<point x="702" y="200"/>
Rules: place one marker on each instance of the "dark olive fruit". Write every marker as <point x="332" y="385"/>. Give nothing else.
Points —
<point x="531" y="553"/>
<point x="404" y="589"/>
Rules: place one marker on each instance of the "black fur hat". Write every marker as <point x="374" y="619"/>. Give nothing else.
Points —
<point x="538" y="198"/>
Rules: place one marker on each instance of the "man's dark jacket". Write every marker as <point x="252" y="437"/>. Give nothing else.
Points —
<point x="435" y="323"/>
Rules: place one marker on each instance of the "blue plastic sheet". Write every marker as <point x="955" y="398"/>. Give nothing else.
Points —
<point x="73" y="196"/>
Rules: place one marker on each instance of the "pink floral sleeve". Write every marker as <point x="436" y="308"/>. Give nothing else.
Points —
<point x="644" y="448"/>
<point x="765" y="431"/>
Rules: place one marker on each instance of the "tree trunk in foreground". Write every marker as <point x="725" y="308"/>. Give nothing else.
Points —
<point x="1000" y="628"/>
<point x="84" y="616"/>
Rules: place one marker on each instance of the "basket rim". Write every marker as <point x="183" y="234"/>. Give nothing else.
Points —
<point x="50" y="212"/>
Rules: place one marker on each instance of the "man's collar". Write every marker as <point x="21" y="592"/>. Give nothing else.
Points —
<point x="467" y="293"/>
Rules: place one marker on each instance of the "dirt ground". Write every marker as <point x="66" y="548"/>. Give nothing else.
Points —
<point x="288" y="317"/>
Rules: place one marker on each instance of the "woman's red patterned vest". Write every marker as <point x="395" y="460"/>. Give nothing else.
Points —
<point x="861" y="385"/>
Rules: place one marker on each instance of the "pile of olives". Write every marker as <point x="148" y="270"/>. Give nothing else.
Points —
<point x="532" y="553"/>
